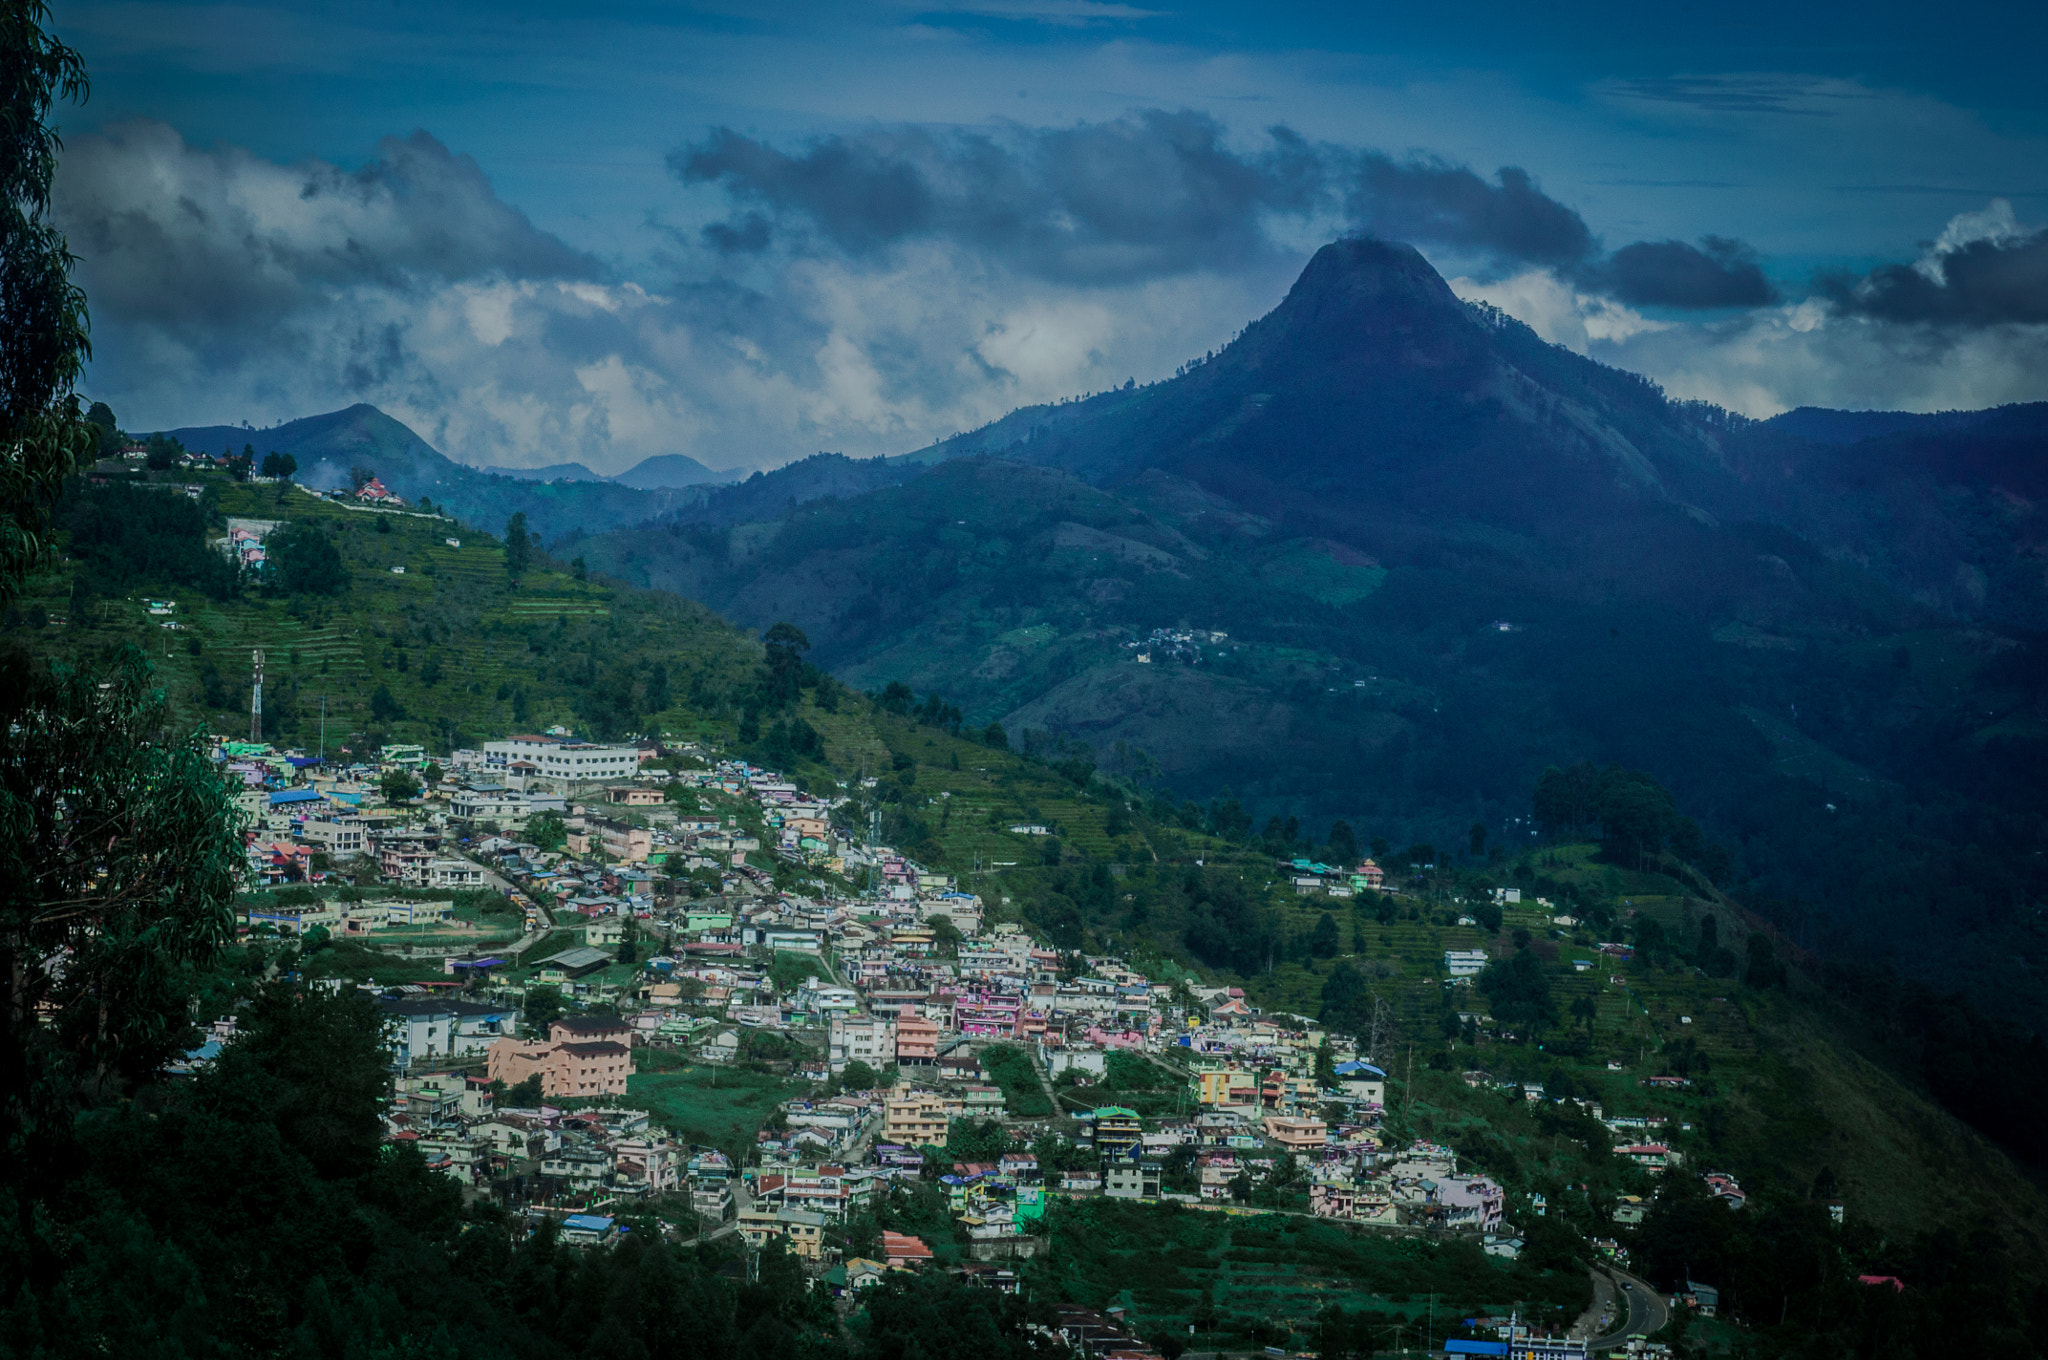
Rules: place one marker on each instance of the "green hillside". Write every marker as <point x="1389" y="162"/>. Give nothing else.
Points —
<point x="463" y="652"/>
<point x="1799" y="1088"/>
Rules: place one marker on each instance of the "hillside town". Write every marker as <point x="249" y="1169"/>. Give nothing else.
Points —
<point x="673" y="909"/>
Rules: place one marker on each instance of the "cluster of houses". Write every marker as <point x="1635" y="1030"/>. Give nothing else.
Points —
<point x="1174" y="644"/>
<point x="905" y="979"/>
<point x="543" y="1154"/>
<point x="904" y="990"/>
<point x="1313" y="876"/>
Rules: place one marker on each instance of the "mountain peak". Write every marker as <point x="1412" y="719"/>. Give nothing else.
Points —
<point x="1367" y="299"/>
<point x="1363" y="270"/>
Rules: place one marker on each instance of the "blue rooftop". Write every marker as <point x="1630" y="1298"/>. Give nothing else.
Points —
<point x="588" y="1223"/>
<point x="291" y="796"/>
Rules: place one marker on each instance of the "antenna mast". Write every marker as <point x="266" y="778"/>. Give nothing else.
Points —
<point x="256" y="696"/>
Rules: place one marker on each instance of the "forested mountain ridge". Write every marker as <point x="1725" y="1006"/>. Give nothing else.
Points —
<point x="1445" y="555"/>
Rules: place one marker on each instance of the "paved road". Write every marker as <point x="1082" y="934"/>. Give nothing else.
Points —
<point x="1647" y="1312"/>
<point x="1603" y="1310"/>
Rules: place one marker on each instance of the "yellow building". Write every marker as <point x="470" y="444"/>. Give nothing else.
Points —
<point x="802" y="1230"/>
<point x="914" y="1118"/>
<point x="1227" y="1086"/>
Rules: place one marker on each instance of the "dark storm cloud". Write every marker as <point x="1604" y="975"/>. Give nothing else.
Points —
<point x="1716" y="273"/>
<point x="1153" y="194"/>
<point x="1981" y="283"/>
<point x="193" y="238"/>
<point x="1433" y="202"/>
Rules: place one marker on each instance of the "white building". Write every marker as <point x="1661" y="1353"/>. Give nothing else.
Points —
<point x="336" y="836"/>
<point x="1465" y="963"/>
<point x="433" y="1028"/>
<point x="569" y="762"/>
<point x="491" y="801"/>
<point x="862" y="1038"/>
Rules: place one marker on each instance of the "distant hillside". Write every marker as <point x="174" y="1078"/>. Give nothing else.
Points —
<point x="770" y="495"/>
<point x="671" y="470"/>
<point x="553" y="472"/>
<point x="328" y="446"/>
<point x="667" y="471"/>
<point x="1824" y="426"/>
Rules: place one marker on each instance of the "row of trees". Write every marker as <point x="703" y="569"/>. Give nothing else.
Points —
<point x="1637" y="819"/>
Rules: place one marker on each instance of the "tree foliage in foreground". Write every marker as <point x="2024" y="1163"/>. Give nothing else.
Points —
<point x="43" y="325"/>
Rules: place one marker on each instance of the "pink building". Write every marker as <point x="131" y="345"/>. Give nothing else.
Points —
<point x="917" y="1038"/>
<point x="566" y="1069"/>
<point x="988" y="1014"/>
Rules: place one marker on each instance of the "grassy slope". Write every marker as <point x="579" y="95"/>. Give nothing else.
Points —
<point x="1796" y="1090"/>
<point x="453" y="603"/>
<point x="714" y="1106"/>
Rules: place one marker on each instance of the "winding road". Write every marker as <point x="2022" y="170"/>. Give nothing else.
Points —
<point x="1647" y="1311"/>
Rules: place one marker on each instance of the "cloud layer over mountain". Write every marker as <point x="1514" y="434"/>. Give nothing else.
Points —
<point x="868" y="291"/>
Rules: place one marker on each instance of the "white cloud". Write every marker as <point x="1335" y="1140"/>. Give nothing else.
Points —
<point x="1555" y="310"/>
<point x="1995" y="223"/>
<point x="226" y="287"/>
<point x="1777" y="358"/>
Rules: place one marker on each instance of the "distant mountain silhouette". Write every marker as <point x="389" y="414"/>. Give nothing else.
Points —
<point x="1824" y="426"/>
<point x="328" y="446"/>
<point x="553" y="472"/>
<point x="672" y="470"/>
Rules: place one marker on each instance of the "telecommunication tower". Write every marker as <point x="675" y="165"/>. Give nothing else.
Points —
<point x="256" y="696"/>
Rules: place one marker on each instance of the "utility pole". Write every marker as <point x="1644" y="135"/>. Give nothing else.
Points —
<point x="323" y="729"/>
<point x="256" y="697"/>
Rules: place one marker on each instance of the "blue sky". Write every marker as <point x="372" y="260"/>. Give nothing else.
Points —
<point x="750" y="232"/>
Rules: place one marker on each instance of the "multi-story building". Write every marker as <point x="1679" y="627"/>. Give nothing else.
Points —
<point x="802" y="1230"/>
<point x="861" y="1038"/>
<point x="1297" y="1133"/>
<point x="914" y="1118"/>
<point x="566" y="1069"/>
<point x="485" y="800"/>
<point x="1227" y="1088"/>
<point x="628" y="844"/>
<point x="987" y="1014"/>
<point x="1114" y="1129"/>
<point x="1465" y="963"/>
<point x="436" y="1028"/>
<point x="564" y="761"/>
<point x="917" y="1037"/>
<point x="1124" y="1179"/>
<point x="1346" y="1200"/>
<point x="441" y="872"/>
<point x="337" y="837"/>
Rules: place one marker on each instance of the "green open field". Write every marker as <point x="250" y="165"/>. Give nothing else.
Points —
<point x="718" y="1106"/>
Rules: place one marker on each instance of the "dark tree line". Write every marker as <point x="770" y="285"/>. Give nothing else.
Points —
<point x="1637" y="819"/>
